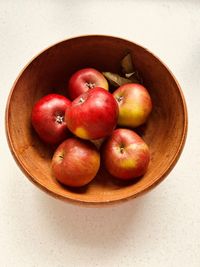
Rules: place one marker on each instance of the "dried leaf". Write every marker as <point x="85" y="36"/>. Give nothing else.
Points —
<point x="115" y="79"/>
<point x="133" y="79"/>
<point x="98" y="142"/>
<point x="128" y="75"/>
<point x="136" y="77"/>
<point x="129" y="71"/>
<point x="127" y="64"/>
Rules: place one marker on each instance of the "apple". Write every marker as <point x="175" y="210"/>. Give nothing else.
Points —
<point x="134" y="103"/>
<point x="85" y="79"/>
<point x="48" y="118"/>
<point x="93" y="114"/>
<point x="125" y="155"/>
<point x="75" y="162"/>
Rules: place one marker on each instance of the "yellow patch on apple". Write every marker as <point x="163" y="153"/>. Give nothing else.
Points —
<point x="128" y="163"/>
<point x="130" y="116"/>
<point x="82" y="133"/>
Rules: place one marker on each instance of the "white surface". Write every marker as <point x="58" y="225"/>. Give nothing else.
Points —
<point x="161" y="228"/>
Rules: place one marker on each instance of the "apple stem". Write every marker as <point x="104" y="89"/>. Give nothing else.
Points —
<point x="119" y="98"/>
<point x="121" y="150"/>
<point x="81" y="100"/>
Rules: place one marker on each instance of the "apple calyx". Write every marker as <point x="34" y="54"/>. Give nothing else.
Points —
<point x="90" y="85"/>
<point x="59" y="119"/>
<point x="121" y="149"/>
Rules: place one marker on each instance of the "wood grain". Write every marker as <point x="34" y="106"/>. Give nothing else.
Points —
<point x="165" y="132"/>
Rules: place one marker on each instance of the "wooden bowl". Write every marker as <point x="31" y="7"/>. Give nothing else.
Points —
<point x="165" y="131"/>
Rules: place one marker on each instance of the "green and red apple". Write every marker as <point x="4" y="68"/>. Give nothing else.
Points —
<point x="93" y="114"/>
<point x="135" y="104"/>
<point x="75" y="162"/>
<point x="125" y="154"/>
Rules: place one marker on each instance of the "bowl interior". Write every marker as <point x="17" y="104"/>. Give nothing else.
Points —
<point x="49" y="72"/>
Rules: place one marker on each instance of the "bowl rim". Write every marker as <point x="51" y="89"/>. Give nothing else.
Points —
<point x="149" y="186"/>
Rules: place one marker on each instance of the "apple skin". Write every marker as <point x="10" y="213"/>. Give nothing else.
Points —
<point x="93" y="114"/>
<point x="125" y="155"/>
<point x="75" y="162"/>
<point x="85" y="79"/>
<point x="135" y="104"/>
<point x="48" y="118"/>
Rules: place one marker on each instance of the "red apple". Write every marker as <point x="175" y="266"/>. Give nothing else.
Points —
<point x="48" y="118"/>
<point x="75" y="162"/>
<point x="85" y="79"/>
<point x="134" y="103"/>
<point x="93" y="114"/>
<point x="125" y="154"/>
